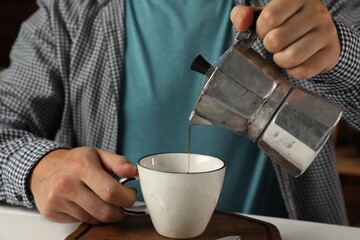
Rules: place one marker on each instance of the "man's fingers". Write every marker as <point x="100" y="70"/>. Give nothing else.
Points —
<point x="107" y="187"/>
<point x="61" y="217"/>
<point x="75" y="213"/>
<point x="117" y="164"/>
<point x="296" y="53"/>
<point x="63" y="210"/>
<point x="80" y="201"/>
<point x="310" y="67"/>
<point x="97" y="209"/>
<point x="77" y="184"/>
<point x="275" y="14"/>
<point x="279" y="38"/>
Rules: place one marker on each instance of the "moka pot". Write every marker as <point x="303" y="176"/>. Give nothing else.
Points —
<point x="246" y="94"/>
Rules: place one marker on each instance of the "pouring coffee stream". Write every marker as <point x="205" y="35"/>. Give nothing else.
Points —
<point x="246" y="94"/>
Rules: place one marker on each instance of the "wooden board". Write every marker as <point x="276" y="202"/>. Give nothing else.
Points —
<point x="140" y="227"/>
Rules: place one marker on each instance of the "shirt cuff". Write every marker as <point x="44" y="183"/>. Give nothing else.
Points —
<point x="344" y="77"/>
<point x="18" y="169"/>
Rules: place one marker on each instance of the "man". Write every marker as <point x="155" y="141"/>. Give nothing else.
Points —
<point x="112" y="76"/>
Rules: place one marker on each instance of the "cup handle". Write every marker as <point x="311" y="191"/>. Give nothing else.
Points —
<point x="139" y="208"/>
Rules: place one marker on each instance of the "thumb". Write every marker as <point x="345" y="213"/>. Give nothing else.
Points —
<point x="242" y="17"/>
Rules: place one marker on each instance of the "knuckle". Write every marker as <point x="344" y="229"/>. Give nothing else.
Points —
<point x="283" y="61"/>
<point x="334" y="55"/>
<point x="50" y="200"/>
<point x="273" y="41"/>
<point x="327" y="24"/>
<point x="333" y="32"/>
<point x="292" y="55"/>
<point x="322" y="14"/>
<point x="300" y="73"/>
<point x="288" y="58"/>
<point x="109" y="194"/>
<point x="78" y="166"/>
<point x="62" y="186"/>
<point x="49" y="214"/>
<point x="270" y="17"/>
<point x="89" y="149"/>
<point x="320" y="10"/>
<point x="132" y="198"/>
<point x="105" y="214"/>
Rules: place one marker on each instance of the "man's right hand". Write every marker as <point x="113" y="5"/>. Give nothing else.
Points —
<point x="301" y="35"/>
<point x="76" y="185"/>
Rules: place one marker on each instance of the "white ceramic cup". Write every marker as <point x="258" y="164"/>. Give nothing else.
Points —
<point x="180" y="196"/>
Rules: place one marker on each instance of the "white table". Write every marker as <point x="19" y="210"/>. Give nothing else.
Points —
<point x="302" y="230"/>
<point x="24" y="224"/>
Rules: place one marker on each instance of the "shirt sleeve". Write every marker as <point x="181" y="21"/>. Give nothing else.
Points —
<point x="31" y="105"/>
<point x="342" y="83"/>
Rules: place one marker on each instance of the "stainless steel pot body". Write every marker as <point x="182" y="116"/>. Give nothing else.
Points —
<point x="246" y="94"/>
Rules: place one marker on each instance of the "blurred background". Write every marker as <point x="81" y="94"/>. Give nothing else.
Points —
<point x="14" y="12"/>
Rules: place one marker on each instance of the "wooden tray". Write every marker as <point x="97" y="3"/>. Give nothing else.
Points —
<point x="140" y="227"/>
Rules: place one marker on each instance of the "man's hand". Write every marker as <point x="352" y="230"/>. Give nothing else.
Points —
<point x="301" y="35"/>
<point x="76" y="185"/>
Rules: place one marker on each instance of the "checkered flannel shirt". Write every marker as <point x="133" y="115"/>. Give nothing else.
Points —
<point x="65" y="74"/>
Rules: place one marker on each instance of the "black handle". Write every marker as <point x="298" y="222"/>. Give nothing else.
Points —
<point x="256" y="16"/>
<point x="200" y="65"/>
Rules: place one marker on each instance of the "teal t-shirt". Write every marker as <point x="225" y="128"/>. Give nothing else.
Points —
<point x="159" y="91"/>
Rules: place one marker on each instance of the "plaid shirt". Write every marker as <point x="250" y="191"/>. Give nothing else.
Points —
<point x="66" y="72"/>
